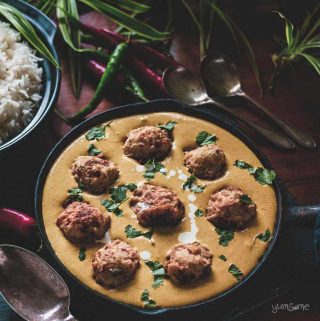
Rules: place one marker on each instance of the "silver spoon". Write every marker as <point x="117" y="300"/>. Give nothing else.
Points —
<point x="183" y="85"/>
<point x="222" y="79"/>
<point x="31" y="287"/>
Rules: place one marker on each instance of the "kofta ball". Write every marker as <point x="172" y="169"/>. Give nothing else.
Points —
<point x="156" y="206"/>
<point x="81" y="222"/>
<point x="115" y="264"/>
<point x="148" y="142"/>
<point x="229" y="208"/>
<point x="187" y="263"/>
<point x="94" y="174"/>
<point x="206" y="162"/>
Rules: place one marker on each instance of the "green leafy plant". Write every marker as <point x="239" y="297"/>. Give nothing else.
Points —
<point x="19" y="22"/>
<point x="300" y="43"/>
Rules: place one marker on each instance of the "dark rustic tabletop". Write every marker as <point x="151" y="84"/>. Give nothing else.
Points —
<point x="297" y="100"/>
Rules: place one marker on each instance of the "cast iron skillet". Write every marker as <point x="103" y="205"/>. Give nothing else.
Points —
<point x="160" y="106"/>
<point x="46" y="29"/>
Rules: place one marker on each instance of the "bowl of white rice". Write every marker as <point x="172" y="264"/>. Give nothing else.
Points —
<point x="29" y="84"/>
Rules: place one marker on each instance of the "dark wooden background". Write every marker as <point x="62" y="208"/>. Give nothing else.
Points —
<point x="297" y="100"/>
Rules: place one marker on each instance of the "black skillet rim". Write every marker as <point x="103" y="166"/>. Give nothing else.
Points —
<point x="162" y="105"/>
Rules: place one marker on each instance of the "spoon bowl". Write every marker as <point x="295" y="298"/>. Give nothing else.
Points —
<point x="221" y="79"/>
<point x="183" y="85"/>
<point x="220" y="76"/>
<point x="31" y="287"/>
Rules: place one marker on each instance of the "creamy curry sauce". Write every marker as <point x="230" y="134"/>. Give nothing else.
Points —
<point x="244" y="250"/>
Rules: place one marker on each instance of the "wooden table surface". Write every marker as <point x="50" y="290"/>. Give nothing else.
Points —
<point x="296" y="101"/>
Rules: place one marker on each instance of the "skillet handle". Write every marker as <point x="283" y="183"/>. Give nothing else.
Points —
<point x="303" y="215"/>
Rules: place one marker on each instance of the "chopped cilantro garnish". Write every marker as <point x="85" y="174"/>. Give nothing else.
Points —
<point x="198" y="213"/>
<point x="222" y="257"/>
<point x="145" y="298"/>
<point x="246" y="199"/>
<point x="132" y="233"/>
<point x="158" y="272"/>
<point x="97" y="133"/>
<point x="82" y="254"/>
<point x="151" y="168"/>
<point x="168" y="126"/>
<point x="93" y="151"/>
<point x="225" y="236"/>
<point x="265" y="236"/>
<point x="118" y="196"/>
<point x="74" y="194"/>
<point x="204" y="138"/>
<point x="262" y="175"/>
<point x="235" y="271"/>
<point x="190" y="184"/>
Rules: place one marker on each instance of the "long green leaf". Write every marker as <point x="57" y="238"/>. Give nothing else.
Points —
<point x="314" y="62"/>
<point x="20" y="23"/>
<point x="288" y="29"/>
<point x="199" y="27"/>
<point x="126" y="20"/>
<point x="74" y="57"/>
<point x="130" y="5"/>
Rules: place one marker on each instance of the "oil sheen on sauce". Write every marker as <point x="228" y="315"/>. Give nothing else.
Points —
<point x="243" y="251"/>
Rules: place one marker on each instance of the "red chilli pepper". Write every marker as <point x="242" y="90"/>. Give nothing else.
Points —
<point x="145" y="52"/>
<point x="18" y="222"/>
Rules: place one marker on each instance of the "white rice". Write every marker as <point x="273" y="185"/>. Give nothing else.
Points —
<point x="20" y="83"/>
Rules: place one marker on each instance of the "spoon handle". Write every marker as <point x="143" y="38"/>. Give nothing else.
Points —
<point x="297" y="135"/>
<point x="271" y="135"/>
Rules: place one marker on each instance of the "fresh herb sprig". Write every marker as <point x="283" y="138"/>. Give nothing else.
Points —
<point x="204" y="138"/>
<point x="97" y="133"/>
<point x="262" y="175"/>
<point x="225" y="236"/>
<point x="245" y="199"/>
<point x="198" y="213"/>
<point x="265" y="236"/>
<point x="158" y="272"/>
<point x="236" y="272"/>
<point x="147" y="302"/>
<point x="93" y="150"/>
<point x="118" y="197"/>
<point x="74" y="194"/>
<point x="169" y="126"/>
<point x="82" y="254"/>
<point x="190" y="184"/>
<point x="132" y="232"/>
<point x="300" y="43"/>
<point x="152" y="167"/>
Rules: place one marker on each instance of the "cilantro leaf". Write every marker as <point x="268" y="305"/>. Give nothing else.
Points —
<point x="265" y="236"/>
<point x="198" y="213"/>
<point x="82" y="254"/>
<point x="132" y="233"/>
<point x="168" y="126"/>
<point x="145" y="298"/>
<point x="242" y="164"/>
<point x="225" y="236"/>
<point x="246" y="199"/>
<point x="235" y="271"/>
<point x="158" y="271"/>
<point x="190" y="184"/>
<point x="204" y="138"/>
<point x="74" y="194"/>
<point x="97" y="133"/>
<point x="151" y="168"/>
<point x="262" y="175"/>
<point x="113" y="207"/>
<point x="222" y="257"/>
<point x="93" y="151"/>
<point x="131" y="187"/>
